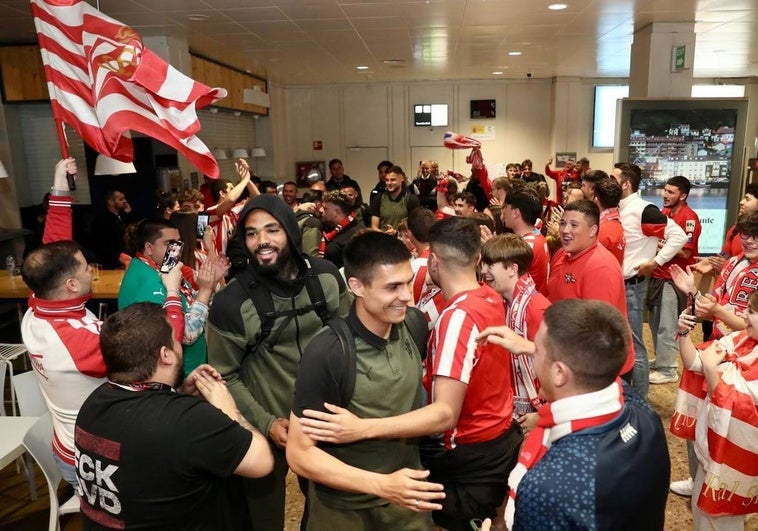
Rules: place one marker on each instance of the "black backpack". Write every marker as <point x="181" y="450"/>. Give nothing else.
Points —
<point x="259" y="293"/>
<point x="414" y="321"/>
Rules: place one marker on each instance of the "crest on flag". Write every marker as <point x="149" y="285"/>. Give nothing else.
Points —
<point x="103" y="82"/>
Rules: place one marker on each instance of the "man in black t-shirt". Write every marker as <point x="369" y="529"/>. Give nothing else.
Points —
<point x="150" y="457"/>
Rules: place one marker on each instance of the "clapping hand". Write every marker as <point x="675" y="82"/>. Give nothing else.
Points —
<point x="189" y="386"/>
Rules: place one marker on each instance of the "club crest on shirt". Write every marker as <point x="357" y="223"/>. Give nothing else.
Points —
<point x="569" y="278"/>
<point x="689" y="226"/>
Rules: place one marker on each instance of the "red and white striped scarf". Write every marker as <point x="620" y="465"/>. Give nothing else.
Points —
<point x="724" y="425"/>
<point x="453" y="140"/>
<point x="525" y="384"/>
<point x="736" y="283"/>
<point x="557" y="420"/>
<point x="326" y="237"/>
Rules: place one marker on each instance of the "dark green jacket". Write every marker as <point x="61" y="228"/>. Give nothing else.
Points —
<point x="262" y="382"/>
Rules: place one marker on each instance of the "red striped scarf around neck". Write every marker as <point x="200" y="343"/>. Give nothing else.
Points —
<point x="524" y="379"/>
<point x="557" y="420"/>
<point x="326" y="237"/>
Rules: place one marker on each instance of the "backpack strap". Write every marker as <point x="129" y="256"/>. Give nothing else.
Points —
<point x="347" y="344"/>
<point x="316" y="293"/>
<point x="415" y="321"/>
<point x="259" y="293"/>
<point x="263" y="302"/>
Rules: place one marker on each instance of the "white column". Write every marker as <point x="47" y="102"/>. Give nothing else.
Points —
<point x="651" y="61"/>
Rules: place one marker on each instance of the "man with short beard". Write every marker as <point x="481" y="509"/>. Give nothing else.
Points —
<point x="152" y="454"/>
<point x="261" y="374"/>
<point x="341" y="223"/>
<point x="394" y="204"/>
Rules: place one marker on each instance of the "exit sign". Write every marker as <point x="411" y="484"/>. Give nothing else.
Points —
<point x="678" y="54"/>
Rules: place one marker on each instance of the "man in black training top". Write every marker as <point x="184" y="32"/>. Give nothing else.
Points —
<point x="149" y="457"/>
<point x="372" y="484"/>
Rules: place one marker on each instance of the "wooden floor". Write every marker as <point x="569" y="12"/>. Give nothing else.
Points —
<point x="19" y="513"/>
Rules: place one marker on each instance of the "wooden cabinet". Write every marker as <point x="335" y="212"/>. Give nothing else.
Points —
<point x="23" y="74"/>
<point x="235" y="82"/>
<point x="23" y="78"/>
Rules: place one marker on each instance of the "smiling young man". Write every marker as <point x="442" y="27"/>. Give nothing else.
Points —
<point x="663" y="300"/>
<point x="584" y="269"/>
<point x="378" y="483"/>
<point x="473" y="442"/>
<point x="521" y="210"/>
<point x="260" y="369"/>
<point x="464" y="204"/>
<point x="394" y="204"/>
<point x="505" y="268"/>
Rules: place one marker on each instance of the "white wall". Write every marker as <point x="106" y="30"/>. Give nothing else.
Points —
<point x="358" y="123"/>
<point x="535" y="118"/>
<point x="349" y="118"/>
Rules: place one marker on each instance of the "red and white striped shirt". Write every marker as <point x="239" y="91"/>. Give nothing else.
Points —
<point x="485" y="368"/>
<point x="725" y="427"/>
<point x="224" y="225"/>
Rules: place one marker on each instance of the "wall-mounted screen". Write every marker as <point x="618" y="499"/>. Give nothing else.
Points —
<point x="482" y="109"/>
<point x="430" y="114"/>
<point x="700" y="139"/>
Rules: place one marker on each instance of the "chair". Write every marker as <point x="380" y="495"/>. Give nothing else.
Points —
<point x="29" y="397"/>
<point x="3" y="370"/>
<point x="38" y="441"/>
<point x="8" y="353"/>
<point x="30" y="403"/>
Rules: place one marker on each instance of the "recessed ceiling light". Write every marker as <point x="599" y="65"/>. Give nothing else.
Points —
<point x="196" y="17"/>
<point x="362" y="67"/>
<point x="394" y="61"/>
<point x="557" y="7"/>
<point x="514" y="53"/>
<point x="497" y="73"/>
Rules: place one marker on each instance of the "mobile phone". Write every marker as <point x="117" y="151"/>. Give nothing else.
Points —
<point x="172" y="256"/>
<point x="71" y="181"/>
<point x="202" y="222"/>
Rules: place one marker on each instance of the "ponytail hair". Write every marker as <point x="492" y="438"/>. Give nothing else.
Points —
<point x="146" y="231"/>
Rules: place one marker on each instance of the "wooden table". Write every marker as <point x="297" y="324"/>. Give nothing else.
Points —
<point x="106" y="287"/>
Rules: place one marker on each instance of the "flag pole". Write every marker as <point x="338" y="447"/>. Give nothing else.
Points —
<point x="63" y="142"/>
<point x="59" y="129"/>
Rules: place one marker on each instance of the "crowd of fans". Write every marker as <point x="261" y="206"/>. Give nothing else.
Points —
<point x="457" y="349"/>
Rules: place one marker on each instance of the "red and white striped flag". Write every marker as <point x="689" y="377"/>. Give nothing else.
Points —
<point x="104" y="82"/>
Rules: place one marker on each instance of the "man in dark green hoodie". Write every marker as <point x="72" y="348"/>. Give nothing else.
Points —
<point x="260" y="374"/>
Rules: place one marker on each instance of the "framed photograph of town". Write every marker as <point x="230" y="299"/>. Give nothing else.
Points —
<point x="701" y="139"/>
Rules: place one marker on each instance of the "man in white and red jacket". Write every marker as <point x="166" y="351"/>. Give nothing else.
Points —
<point x="61" y="335"/>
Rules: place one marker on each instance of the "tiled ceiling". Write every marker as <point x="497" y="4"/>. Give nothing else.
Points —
<point x="323" y="41"/>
